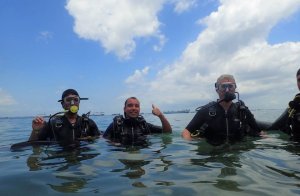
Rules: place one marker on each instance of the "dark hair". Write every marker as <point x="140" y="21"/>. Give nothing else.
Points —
<point x="298" y="73"/>
<point x="128" y="99"/>
<point x="68" y="92"/>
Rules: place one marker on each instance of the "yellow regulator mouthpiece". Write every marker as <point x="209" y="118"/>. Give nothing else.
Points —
<point x="74" y="109"/>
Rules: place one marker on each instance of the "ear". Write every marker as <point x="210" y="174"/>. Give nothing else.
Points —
<point x="216" y="86"/>
<point x="63" y="105"/>
<point x="124" y="113"/>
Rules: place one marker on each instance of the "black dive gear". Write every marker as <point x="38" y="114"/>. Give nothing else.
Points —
<point x="294" y="117"/>
<point x="60" y="129"/>
<point x="218" y="126"/>
<point x="130" y="131"/>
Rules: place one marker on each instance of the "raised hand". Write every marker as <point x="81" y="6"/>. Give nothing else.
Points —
<point x="37" y="123"/>
<point x="156" y="111"/>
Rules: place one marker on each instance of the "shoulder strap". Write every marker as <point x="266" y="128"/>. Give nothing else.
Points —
<point x="294" y="106"/>
<point x="84" y="119"/>
<point x="55" y="123"/>
<point x="210" y="104"/>
<point x="242" y="114"/>
<point x="293" y="114"/>
<point x="212" y="110"/>
<point x="117" y="123"/>
<point x="144" y="125"/>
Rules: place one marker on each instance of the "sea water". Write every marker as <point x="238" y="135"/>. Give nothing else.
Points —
<point x="170" y="165"/>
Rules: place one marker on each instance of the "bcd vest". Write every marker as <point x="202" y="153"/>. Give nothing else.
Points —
<point x="130" y="130"/>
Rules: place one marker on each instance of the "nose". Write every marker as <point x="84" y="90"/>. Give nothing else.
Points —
<point x="72" y="102"/>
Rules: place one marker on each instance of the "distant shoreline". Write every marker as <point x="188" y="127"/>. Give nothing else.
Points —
<point x="102" y="114"/>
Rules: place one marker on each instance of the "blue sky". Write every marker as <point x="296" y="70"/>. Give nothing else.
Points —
<point x="166" y="52"/>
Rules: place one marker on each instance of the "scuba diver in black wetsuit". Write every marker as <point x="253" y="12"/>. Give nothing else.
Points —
<point x="67" y="128"/>
<point x="132" y="128"/>
<point x="223" y="121"/>
<point x="289" y="120"/>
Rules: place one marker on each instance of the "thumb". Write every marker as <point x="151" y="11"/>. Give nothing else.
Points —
<point x="153" y="106"/>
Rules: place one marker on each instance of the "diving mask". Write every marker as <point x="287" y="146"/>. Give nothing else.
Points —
<point x="229" y="86"/>
<point x="72" y="100"/>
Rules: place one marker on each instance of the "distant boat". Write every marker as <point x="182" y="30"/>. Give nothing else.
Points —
<point x="177" y="111"/>
<point x="44" y="115"/>
<point x="98" y="114"/>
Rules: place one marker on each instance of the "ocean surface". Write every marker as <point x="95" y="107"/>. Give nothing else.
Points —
<point x="170" y="165"/>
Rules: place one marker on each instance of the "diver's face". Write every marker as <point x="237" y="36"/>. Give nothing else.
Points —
<point x="225" y="85"/>
<point x="298" y="81"/>
<point x="70" y="100"/>
<point x="132" y="108"/>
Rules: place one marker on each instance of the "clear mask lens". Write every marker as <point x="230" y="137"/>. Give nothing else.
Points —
<point x="230" y="86"/>
<point x="72" y="100"/>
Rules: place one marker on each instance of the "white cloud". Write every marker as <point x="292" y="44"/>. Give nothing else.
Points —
<point x="6" y="99"/>
<point x="160" y="45"/>
<point x="138" y="76"/>
<point x="183" y="5"/>
<point x="235" y="42"/>
<point x="45" y="36"/>
<point x="115" y="24"/>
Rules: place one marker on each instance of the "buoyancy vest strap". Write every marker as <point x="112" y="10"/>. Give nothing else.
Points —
<point x="118" y="122"/>
<point x="85" y="124"/>
<point x="117" y="125"/>
<point x="200" y="131"/>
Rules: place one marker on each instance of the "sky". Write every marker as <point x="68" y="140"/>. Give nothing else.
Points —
<point x="165" y="52"/>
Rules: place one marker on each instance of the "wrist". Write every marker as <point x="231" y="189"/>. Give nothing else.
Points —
<point x="161" y="115"/>
<point x="36" y="130"/>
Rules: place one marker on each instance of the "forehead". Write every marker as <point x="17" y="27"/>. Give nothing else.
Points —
<point x="226" y="80"/>
<point x="132" y="101"/>
<point x="71" y="95"/>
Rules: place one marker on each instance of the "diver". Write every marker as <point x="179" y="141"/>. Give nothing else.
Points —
<point x="132" y="129"/>
<point x="289" y="120"/>
<point x="66" y="128"/>
<point x="223" y="121"/>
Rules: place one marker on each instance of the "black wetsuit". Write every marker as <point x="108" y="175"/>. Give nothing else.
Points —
<point x="281" y="123"/>
<point x="288" y="122"/>
<point x="130" y="131"/>
<point x="60" y="129"/>
<point x="218" y="126"/>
